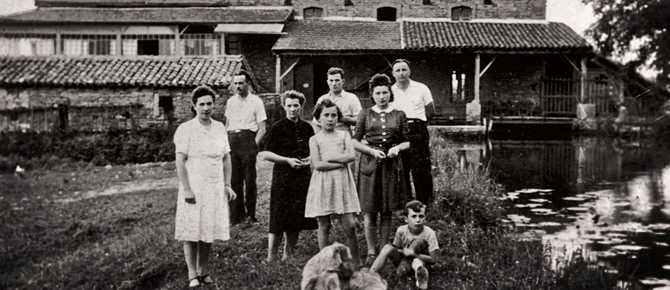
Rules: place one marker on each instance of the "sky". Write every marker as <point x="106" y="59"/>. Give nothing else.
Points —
<point x="571" y="12"/>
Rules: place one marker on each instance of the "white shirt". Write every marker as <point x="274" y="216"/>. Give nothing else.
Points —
<point x="413" y="100"/>
<point x="245" y="114"/>
<point x="349" y="105"/>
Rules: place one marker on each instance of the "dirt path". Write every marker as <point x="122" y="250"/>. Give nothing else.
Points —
<point x="126" y="187"/>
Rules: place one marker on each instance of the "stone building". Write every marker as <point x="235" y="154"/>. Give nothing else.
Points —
<point x="476" y="56"/>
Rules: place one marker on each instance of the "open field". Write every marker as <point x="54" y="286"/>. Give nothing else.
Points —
<point x="99" y="228"/>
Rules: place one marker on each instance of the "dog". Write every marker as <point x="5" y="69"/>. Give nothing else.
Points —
<point x="332" y="269"/>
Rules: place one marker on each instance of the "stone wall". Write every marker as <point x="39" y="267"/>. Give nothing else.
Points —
<point x="91" y="109"/>
<point x="499" y="9"/>
<point x="257" y="50"/>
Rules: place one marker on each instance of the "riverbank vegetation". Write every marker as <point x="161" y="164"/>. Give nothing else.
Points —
<point x="64" y="228"/>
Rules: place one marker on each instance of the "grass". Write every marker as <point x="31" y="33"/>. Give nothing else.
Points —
<point x="125" y="241"/>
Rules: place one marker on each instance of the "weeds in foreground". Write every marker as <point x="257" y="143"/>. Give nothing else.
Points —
<point x="125" y="241"/>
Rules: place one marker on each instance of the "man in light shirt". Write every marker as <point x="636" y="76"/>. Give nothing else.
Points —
<point x="245" y="122"/>
<point x="415" y="99"/>
<point x="348" y="103"/>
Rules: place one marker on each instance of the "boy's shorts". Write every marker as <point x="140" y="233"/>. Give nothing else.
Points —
<point x="399" y="259"/>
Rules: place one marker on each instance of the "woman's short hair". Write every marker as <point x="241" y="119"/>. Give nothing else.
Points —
<point x="202" y="91"/>
<point x="380" y="80"/>
<point x="326" y="103"/>
<point x="293" y="95"/>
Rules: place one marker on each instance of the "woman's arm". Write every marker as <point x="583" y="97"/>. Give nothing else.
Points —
<point x="183" y="177"/>
<point x="278" y="159"/>
<point x="316" y="160"/>
<point x="360" y="147"/>
<point x="227" y="174"/>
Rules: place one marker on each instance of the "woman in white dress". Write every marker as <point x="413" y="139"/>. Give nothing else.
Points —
<point x="203" y="167"/>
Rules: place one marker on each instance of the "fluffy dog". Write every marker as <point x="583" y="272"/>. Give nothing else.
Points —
<point x="331" y="269"/>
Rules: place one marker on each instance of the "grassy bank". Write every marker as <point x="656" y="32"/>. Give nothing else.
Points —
<point x="56" y="232"/>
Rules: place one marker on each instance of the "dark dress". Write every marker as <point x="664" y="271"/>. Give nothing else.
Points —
<point x="289" y="186"/>
<point x="381" y="184"/>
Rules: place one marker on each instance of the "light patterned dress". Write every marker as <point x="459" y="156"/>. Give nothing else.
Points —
<point x="333" y="191"/>
<point x="208" y="219"/>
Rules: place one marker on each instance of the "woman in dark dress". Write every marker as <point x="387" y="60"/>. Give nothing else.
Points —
<point x="381" y="185"/>
<point x="287" y="146"/>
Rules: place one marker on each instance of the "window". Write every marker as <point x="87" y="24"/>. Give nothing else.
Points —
<point x="233" y="44"/>
<point x="461" y="13"/>
<point x="312" y="13"/>
<point x="386" y="14"/>
<point x="348" y="3"/>
<point x="89" y="45"/>
<point x="147" y="47"/>
<point x="426" y="2"/>
<point x="488" y="2"/>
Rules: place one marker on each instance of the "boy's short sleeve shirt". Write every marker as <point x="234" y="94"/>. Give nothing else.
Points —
<point x="403" y="235"/>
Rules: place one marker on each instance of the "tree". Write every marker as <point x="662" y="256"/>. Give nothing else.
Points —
<point x="623" y="24"/>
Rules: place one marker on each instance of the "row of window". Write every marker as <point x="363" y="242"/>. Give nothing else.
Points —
<point x="460" y="13"/>
<point x="208" y="44"/>
<point x="351" y="3"/>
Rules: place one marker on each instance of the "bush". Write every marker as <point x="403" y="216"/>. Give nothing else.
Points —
<point x="113" y="147"/>
<point x="465" y="196"/>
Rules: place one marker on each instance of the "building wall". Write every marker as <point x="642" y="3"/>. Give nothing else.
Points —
<point x="92" y="109"/>
<point x="512" y="77"/>
<point x="257" y="50"/>
<point x="500" y="9"/>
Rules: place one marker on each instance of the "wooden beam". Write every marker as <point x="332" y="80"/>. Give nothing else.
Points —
<point x="477" y="75"/>
<point x="583" y="80"/>
<point x="573" y="64"/>
<point x="278" y="76"/>
<point x="487" y="67"/>
<point x="289" y="69"/>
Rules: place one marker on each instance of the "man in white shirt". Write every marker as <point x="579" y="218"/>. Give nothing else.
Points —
<point x="348" y="103"/>
<point x="245" y="122"/>
<point x="415" y="99"/>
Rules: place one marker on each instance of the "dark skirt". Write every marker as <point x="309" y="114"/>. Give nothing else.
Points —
<point x="288" y="193"/>
<point x="381" y="184"/>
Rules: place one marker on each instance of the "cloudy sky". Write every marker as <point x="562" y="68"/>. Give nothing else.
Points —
<point x="570" y="12"/>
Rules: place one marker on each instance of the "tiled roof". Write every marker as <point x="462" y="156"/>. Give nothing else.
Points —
<point x="152" y="15"/>
<point x="144" y="71"/>
<point x="333" y="35"/>
<point x="45" y="3"/>
<point x="438" y="35"/>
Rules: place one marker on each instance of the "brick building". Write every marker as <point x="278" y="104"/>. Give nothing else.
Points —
<point x="473" y="54"/>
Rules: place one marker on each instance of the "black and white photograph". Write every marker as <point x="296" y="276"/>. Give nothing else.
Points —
<point x="335" y="144"/>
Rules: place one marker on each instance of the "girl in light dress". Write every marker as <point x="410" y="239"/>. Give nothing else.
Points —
<point x="332" y="191"/>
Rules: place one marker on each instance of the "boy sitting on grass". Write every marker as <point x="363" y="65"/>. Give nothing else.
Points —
<point x="414" y="248"/>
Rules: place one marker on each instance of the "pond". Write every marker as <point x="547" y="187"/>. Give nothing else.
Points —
<point x="607" y="197"/>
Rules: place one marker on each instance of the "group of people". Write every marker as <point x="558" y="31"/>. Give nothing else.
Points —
<point x="313" y="174"/>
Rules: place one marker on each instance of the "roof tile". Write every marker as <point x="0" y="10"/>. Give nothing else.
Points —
<point x="152" y="15"/>
<point x="332" y="35"/>
<point x="144" y="71"/>
<point x="447" y="35"/>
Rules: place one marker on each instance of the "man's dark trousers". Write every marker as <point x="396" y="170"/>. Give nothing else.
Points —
<point x="243" y="160"/>
<point x="417" y="161"/>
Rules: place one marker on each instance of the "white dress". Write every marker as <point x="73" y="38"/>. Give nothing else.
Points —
<point x="208" y="219"/>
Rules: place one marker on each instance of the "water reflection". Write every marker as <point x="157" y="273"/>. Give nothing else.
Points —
<point x="604" y="196"/>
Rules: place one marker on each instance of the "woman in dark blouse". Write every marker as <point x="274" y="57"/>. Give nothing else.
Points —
<point x="381" y="185"/>
<point x="287" y="146"/>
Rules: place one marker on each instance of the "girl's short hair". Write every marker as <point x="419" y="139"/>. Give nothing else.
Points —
<point x="293" y="95"/>
<point x="380" y="80"/>
<point x="327" y="103"/>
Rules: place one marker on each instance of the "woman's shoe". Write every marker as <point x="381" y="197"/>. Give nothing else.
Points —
<point x="205" y="279"/>
<point x="194" y="282"/>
